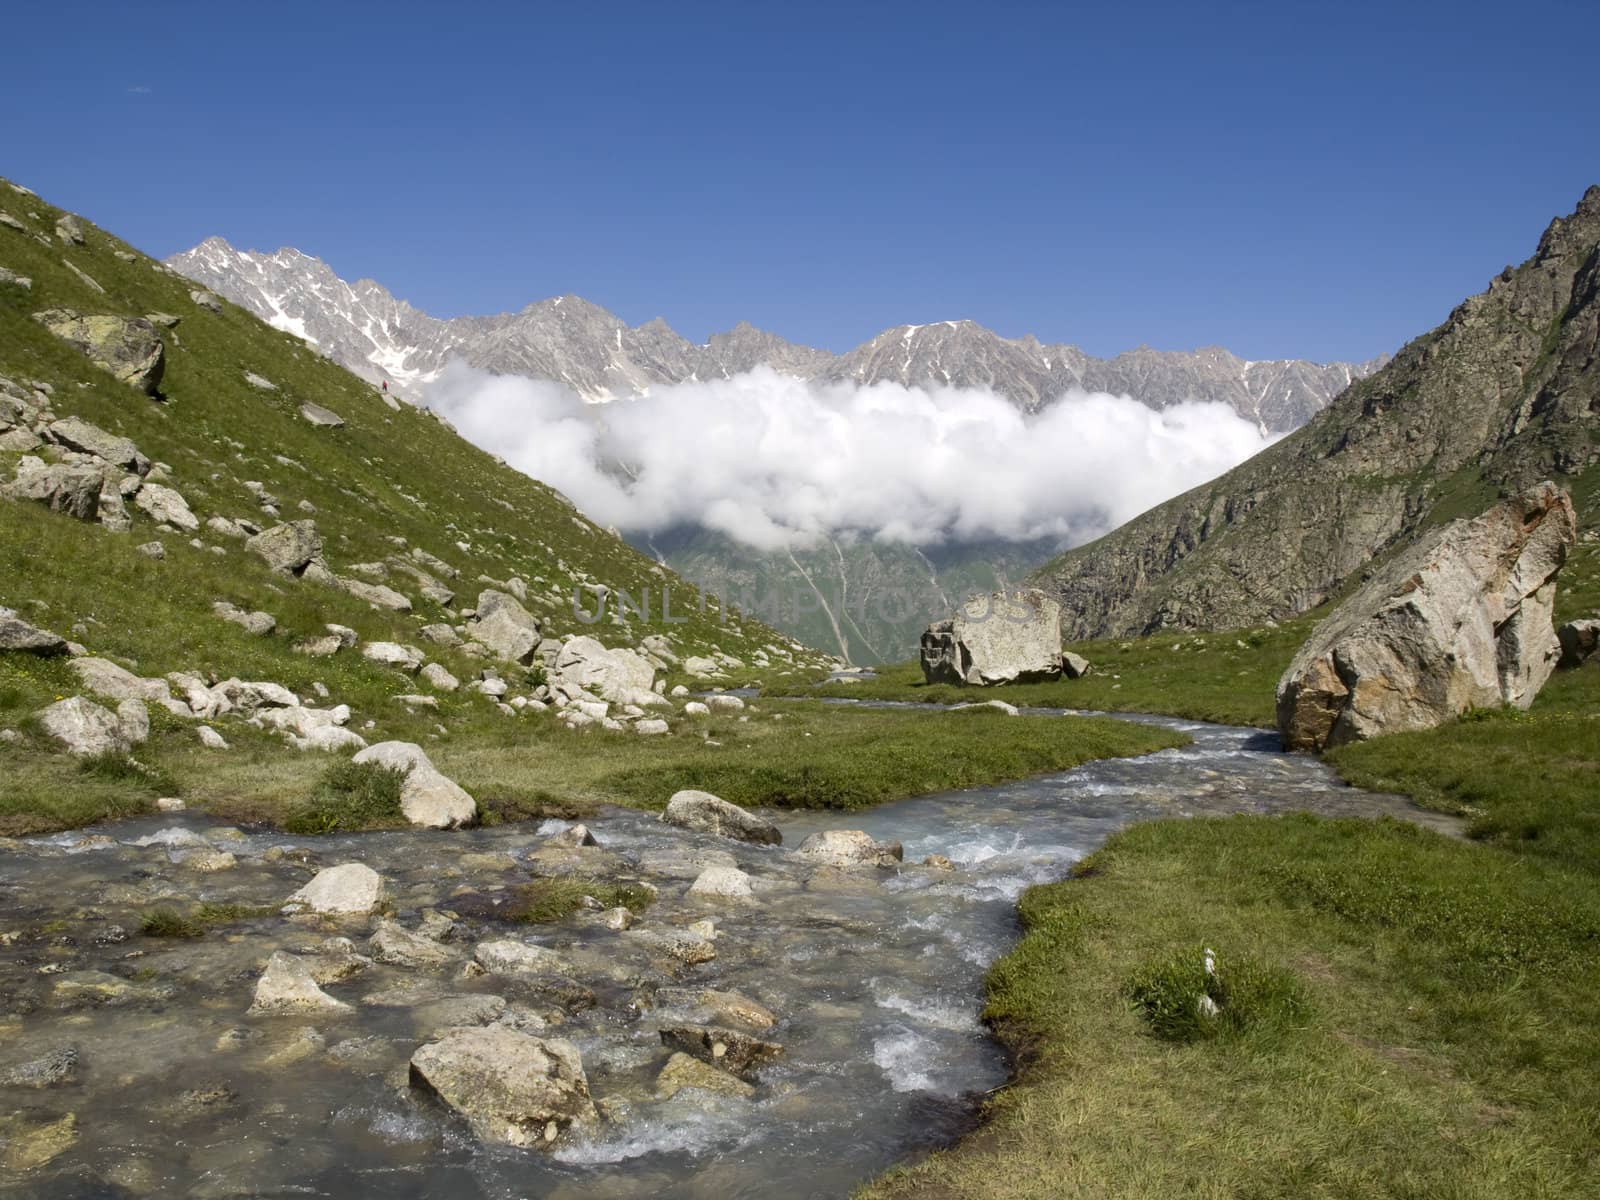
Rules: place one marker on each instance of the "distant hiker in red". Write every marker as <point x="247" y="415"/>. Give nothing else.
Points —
<point x="386" y="385"/>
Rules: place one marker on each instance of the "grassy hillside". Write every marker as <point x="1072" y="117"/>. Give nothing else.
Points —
<point x="389" y="480"/>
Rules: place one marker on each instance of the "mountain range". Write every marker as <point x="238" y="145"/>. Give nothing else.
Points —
<point x="365" y="328"/>
<point x="863" y="599"/>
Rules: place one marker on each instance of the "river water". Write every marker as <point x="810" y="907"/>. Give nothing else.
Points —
<point x="875" y="976"/>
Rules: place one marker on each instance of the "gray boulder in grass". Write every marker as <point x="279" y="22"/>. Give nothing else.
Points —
<point x="427" y="797"/>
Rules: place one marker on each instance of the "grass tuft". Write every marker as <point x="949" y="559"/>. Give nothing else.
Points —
<point x="117" y="768"/>
<point x="351" y="796"/>
<point x="169" y="923"/>
<point x="1243" y="994"/>
<point x="551" y="899"/>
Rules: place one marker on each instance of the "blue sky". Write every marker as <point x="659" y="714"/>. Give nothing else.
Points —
<point x="1309" y="180"/>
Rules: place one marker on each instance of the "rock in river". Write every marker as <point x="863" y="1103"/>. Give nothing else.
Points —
<point x="685" y="1071"/>
<point x="709" y="814"/>
<point x="287" y="986"/>
<point x="351" y="889"/>
<point x="849" y="848"/>
<point x="512" y="1088"/>
<point x="726" y="1048"/>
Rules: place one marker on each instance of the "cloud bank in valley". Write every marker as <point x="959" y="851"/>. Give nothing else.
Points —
<point x="775" y="462"/>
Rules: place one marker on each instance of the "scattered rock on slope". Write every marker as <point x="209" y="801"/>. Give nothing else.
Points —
<point x="502" y="625"/>
<point x="318" y="415"/>
<point x="83" y="727"/>
<point x="72" y="488"/>
<point x="620" y="676"/>
<point x="17" y="634"/>
<point x="166" y="506"/>
<point x="80" y="435"/>
<point x="289" y="548"/>
<point x="128" y="347"/>
<point x="1459" y="620"/>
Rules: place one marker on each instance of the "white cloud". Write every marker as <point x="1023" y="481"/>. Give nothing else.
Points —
<point x="776" y="461"/>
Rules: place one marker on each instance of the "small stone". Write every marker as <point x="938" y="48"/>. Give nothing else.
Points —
<point x="730" y="1049"/>
<point x="722" y="883"/>
<point x="685" y="1071"/>
<point x="287" y="986"/>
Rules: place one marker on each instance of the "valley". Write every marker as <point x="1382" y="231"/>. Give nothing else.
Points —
<point x="393" y="810"/>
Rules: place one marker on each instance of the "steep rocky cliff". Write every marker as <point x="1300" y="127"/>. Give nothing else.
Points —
<point x="1504" y="393"/>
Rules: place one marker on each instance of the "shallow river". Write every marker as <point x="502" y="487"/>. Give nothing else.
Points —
<point x="875" y="977"/>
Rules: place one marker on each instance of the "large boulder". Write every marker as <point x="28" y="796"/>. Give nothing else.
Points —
<point x="621" y="676"/>
<point x="128" y="347"/>
<point x="512" y="1088"/>
<point x="1004" y="637"/>
<point x="711" y="814"/>
<point x="83" y="727"/>
<point x="1459" y="620"/>
<point x="508" y="630"/>
<point x="427" y="797"/>
<point x="288" y="548"/>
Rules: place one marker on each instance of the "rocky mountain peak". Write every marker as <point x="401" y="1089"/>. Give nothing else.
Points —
<point x="583" y="346"/>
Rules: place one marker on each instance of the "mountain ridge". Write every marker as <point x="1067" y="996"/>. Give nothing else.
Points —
<point x="1504" y="392"/>
<point x="573" y="341"/>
